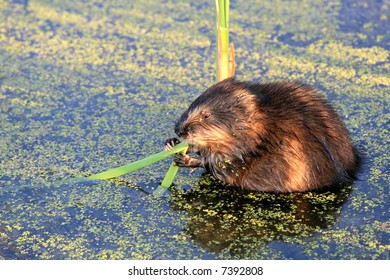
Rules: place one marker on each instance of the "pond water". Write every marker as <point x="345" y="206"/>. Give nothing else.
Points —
<point x="86" y="86"/>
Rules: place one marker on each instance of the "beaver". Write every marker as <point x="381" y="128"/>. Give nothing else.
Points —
<point x="268" y="137"/>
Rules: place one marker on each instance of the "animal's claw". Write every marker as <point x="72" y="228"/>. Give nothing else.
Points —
<point x="170" y="143"/>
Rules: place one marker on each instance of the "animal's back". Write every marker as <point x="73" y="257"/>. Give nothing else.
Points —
<point x="309" y="146"/>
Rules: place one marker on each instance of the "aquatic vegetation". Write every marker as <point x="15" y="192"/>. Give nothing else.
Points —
<point x="92" y="85"/>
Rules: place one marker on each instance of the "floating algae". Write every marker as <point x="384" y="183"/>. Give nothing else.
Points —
<point x="91" y="86"/>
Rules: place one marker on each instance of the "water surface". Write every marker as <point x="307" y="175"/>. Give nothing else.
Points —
<point x="86" y="86"/>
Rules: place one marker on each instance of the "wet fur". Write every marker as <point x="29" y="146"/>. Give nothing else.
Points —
<point x="277" y="137"/>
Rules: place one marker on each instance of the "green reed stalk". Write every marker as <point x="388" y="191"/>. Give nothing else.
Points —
<point x="119" y="171"/>
<point x="170" y="176"/>
<point x="222" y="10"/>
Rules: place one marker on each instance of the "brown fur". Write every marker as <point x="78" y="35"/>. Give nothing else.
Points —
<point x="279" y="137"/>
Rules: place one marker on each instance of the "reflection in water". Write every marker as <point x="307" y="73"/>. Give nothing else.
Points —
<point x="225" y="218"/>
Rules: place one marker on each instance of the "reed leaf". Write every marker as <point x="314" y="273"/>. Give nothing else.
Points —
<point x="119" y="171"/>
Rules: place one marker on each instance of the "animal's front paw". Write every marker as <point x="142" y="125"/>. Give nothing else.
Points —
<point x="170" y="143"/>
<point x="184" y="160"/>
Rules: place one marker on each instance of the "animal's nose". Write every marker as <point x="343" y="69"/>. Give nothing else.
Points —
<point x="181" y="130"/>
<point x="177" y="130"/>
<point x="181" y="127"/>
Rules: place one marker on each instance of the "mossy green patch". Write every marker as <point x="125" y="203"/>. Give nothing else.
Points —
<point x="88" y="86"/>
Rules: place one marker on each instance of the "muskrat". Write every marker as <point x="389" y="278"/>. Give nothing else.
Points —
<point x="270" y="137"/>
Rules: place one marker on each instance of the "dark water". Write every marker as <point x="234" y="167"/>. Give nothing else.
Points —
<point x="85" y="87"/>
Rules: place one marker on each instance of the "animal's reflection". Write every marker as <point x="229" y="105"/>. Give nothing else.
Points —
<point x="225" y="218"/>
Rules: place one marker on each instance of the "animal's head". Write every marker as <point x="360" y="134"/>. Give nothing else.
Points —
<point x="218" y="117"/>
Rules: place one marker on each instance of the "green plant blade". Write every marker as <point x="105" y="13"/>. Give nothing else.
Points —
<point x="222" y="10"/>
<point x="119" y="171"/>
<point x="168" y="179"/>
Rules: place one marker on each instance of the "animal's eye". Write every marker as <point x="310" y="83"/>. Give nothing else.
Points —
<point x="207" y="115"/>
